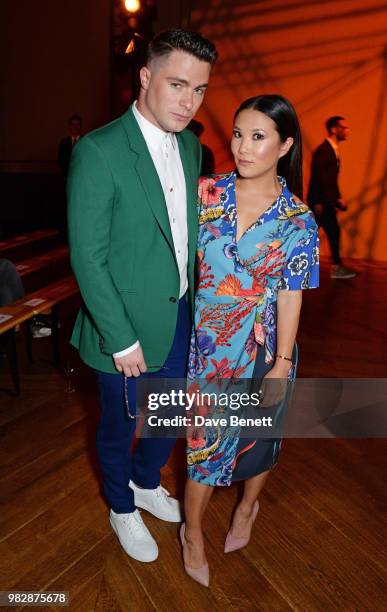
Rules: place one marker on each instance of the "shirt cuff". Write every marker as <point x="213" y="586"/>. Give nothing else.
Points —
<point x="128" y="350"/>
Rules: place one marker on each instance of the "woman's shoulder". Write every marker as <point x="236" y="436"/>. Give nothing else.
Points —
<point x="213" y="185"/>
<point x="210" y="180"/>
<point x="295" y="209"/>
<point x="299" y="207"/>
<point x="297" y="200"/>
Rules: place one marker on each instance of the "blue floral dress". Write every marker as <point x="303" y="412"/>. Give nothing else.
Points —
<point x="234" y="333"/>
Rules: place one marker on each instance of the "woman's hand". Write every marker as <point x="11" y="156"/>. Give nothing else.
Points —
<point x="275" y="383"/>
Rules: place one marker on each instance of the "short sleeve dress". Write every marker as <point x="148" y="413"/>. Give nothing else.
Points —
<point x="234" y="334"/>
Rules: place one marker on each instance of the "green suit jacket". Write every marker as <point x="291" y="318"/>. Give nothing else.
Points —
<point x="121" y="244"/>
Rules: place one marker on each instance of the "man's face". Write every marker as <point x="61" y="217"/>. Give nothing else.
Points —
<point x="172" y="89"/>
<point x="341" y="130"/>
<point x="75" y="128"/>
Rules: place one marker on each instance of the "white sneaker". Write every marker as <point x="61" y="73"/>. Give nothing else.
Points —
<point x="40" y="332"/>
<point x="158" y="502"/>
<point x="134" y="536"/>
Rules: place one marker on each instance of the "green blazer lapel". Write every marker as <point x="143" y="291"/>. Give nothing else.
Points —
<point x="148" y="174"/>
<point x="192" y="190"/>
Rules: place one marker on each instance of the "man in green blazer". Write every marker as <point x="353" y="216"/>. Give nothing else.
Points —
<point x="132" y="193"/>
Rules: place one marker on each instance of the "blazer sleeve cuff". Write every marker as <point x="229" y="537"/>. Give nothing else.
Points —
<point x="128" y="350"/>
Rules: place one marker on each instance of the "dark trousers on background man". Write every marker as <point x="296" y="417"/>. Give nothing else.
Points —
<point x="328" y="221"/>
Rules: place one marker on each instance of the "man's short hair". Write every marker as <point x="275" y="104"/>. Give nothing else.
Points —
<point x="75" y="118"/>
<point x="183" y="40"/>
<point x="333" y="122"/>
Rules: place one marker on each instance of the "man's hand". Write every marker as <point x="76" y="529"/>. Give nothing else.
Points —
<point x="318" y="209"/>
<point x="132" y="364"/>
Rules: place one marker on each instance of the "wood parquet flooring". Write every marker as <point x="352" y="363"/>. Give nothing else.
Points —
<point x="319" y="540"/>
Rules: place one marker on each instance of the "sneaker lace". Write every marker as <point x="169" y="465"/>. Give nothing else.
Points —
<point x="133" y="522"/>
<point x="161" y="492"/>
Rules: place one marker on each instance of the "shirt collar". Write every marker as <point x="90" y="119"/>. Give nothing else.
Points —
<point x="154" y="136"/>
<point x="283" y="200"/>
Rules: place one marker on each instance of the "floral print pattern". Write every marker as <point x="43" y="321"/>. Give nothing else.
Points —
<point x="235" y="305"/>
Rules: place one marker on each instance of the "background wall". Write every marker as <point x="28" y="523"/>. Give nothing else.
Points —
<point x="328" y="58"/>
<point x="54" y="61"/>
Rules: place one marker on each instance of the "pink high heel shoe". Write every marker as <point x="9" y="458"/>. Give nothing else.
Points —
<point x="232" y="543"/>
<point x="200" y="574"/>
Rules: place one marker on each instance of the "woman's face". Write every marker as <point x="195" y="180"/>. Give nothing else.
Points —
<point x="256" y="144"/>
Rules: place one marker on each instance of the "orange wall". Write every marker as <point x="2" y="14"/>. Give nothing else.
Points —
<point x="328" y="58"/>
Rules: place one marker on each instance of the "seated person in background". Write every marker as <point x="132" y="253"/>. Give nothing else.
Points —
<point x="11" y="289"/>
<point x="11" y="286"/>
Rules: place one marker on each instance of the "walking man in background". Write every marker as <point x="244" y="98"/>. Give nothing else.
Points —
<point x="133" y="229"/>
<point x="324" y="195"/>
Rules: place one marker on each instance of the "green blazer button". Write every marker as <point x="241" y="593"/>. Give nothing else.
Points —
<point x="172" y="299"/>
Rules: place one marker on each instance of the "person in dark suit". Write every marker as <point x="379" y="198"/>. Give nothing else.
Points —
<point x="324" y="195"/>
<point x="65" y="150"/>
<point x="208" y="158"/>
<point x="67" y="144"/>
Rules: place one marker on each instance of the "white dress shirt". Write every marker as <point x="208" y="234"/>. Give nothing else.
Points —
<point x="334" y="146"/>
<point x="164" y="150"/>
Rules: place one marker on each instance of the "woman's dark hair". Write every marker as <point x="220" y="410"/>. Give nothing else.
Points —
<point x="281" y="111"/>
<point x="190" y="42"/>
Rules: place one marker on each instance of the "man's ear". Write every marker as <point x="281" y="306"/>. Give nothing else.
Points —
<point x="145" y="75"/>
<point x="285" y="146"/>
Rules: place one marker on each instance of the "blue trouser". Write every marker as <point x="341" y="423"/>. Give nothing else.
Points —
<point x="115" y="430"/>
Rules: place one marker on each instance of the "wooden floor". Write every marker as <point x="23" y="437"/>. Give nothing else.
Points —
<point x="319" y="540"/>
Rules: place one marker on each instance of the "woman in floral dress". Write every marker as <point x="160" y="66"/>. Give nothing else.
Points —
<point x="257" y="251"/>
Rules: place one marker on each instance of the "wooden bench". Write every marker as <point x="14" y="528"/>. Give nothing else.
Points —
<point x="28" y="245"/>
<point x="44" y="269"/>
<point x="27" y="307"/>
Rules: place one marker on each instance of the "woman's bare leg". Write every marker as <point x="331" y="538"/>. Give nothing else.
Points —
<point x="196" y="498"/>
<point x="241" y="525"/>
